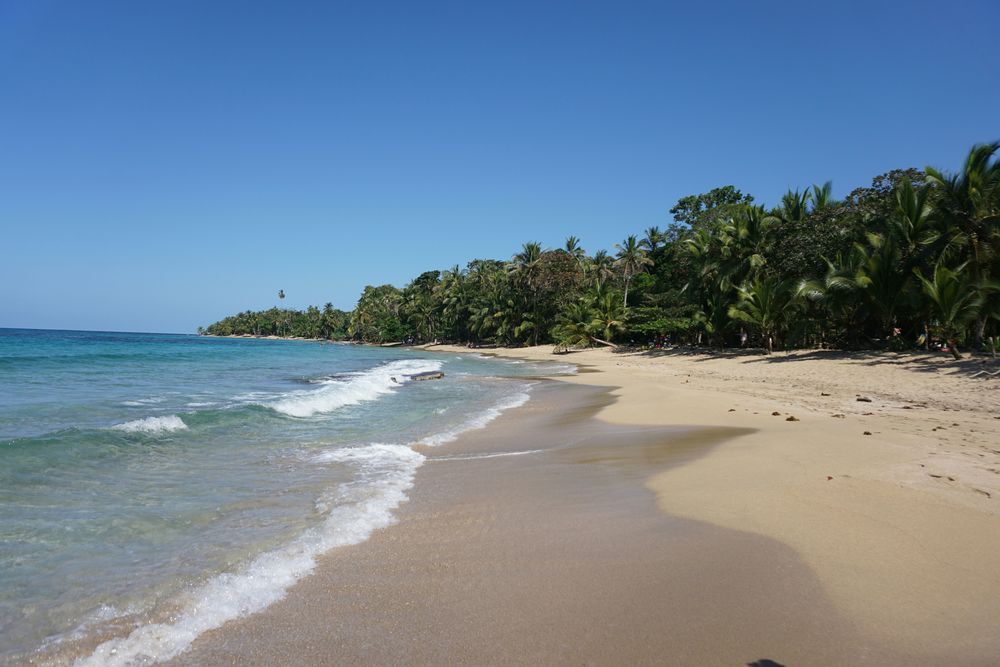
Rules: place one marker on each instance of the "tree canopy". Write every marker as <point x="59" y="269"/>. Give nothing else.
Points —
<point x="912" y="258"/>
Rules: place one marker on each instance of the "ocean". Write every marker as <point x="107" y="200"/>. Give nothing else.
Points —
<point x="154" y="486"/>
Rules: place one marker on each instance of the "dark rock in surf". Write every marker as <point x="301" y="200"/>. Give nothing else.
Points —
<point x="429" y="375"/>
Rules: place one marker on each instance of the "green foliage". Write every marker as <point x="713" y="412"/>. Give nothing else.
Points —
<point x="574" y="326"/>
<point x="376" y="318"/>
<point x="330" y="323"/>
<point x="954" y="299"/>
<point x="707" y="209"/>
<point x="767" y="305"/>
<point x="915" y="251"/>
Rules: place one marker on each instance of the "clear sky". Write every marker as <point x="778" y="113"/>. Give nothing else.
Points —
<point x="163" y="164"/>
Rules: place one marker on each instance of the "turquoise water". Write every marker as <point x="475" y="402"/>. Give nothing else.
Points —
<point x="167" y="483"/>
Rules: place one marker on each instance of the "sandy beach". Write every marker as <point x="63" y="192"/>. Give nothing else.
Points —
<point x="886" y="486"/>
<point x="654" y="510"/>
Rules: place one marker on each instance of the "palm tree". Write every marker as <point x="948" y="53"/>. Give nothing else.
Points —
<point x="654" y="239"/>
<point x="609" y="317"/>
<point x="524" y="269"/>
<point x="281" y="297"/>
<point x="867" y="283"/>
<point x="968" y="209"/>
<point x="452" y="295"/>
<point x="911" y="224"/>
<point x="573" y="326"/>
<point x="822" y="196"/>
<point x="766" y="304"/>
<point x="837" y="293"/>
<point x="713" y="315"/>
<point x="422" y="317"/>
<point x="574" y="250"/>
<point x="524" y="265"/>
<point x="601" y="266"/>
<point x="794" y="206"/>
<point x="745" y="244"/>
<point x="955" y="299"/>
<point x="632" y="260"/>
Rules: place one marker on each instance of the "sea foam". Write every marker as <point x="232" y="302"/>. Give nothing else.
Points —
<point x="357" y="388"/>
<point x="478" y="421"/>
<point x="152" y="425"/>
<point x="354" y="511"/>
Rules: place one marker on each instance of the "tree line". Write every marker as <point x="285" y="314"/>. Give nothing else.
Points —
<point x="328" y="323"/>
<point x="910" y="260"/>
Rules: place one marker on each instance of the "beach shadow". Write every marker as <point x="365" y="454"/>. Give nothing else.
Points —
<point x="764" y="662"/>
<point x="916" y="361"/>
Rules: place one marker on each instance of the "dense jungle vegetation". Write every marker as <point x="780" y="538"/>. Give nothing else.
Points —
<point x="911" y="259"/>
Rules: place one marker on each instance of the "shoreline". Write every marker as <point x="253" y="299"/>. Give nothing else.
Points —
<point x="535" y="541"/>
<point x="863" y="562"/>
<point x="887" y="484"/>
<point x="901" y="566"/>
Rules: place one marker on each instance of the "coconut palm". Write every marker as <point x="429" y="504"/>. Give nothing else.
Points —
<point x="955" y="299"/>
<point x="574" y="250"/>
<point x="601" y="268"/>
<point x="281" y="296"/>
<point x="744" y="244"/>
<point x="968" y="210"/>
<point x="632" y="260"/>
<point x="766" y="304"/>
<point x="865" y="285"/>
<point x="452" y="296"/>
<point x="822" y="196"/>
<point x="524" y="269"/>
<point x="654" y="239"/>
<point x="912" y="224"/>
<point x="524" y="265"/>
<point x="713" y="315"/>
<point x="794" y="206"/>
<point x="609" y="316"/>
<point x="422" y="315"/>
<point x="574" y="325"/>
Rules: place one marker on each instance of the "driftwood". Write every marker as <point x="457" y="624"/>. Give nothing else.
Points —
<point x="429" y="375"/>
<point x="565" y="349"/>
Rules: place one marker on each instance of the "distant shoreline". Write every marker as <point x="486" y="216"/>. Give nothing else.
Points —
<point x="253" y="337"/>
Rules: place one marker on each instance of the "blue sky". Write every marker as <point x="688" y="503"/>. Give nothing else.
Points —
<point x="163" y="164"/>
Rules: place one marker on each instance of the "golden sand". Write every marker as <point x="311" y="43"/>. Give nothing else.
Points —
<point x="893" y="501"/>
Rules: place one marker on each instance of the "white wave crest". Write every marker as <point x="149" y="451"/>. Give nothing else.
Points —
<point x="152" y="425"/>
<point x="356" y="509"/>
<point x="494" y="455"/>
<point x="144" y="401"/>
<point x="480" y="420"/>
<point x="359" y="388"/>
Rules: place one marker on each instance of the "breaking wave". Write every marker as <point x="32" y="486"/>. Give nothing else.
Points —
<point x="152" y="425"/>
<point x="356" y="388"/>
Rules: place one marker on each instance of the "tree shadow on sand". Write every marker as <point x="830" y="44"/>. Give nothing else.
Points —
<point x="921" y="362"/>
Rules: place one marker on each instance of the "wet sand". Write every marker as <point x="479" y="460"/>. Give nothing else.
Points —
<point x="554" y="556"/>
